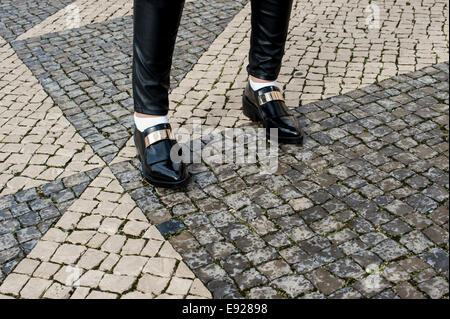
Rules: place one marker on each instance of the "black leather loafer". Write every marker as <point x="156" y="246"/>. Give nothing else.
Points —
<point x="154" y="146"/>
<point x="267" y="106"/>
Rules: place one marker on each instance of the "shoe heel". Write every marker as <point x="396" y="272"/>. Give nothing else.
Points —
<point x="250" y="110"/>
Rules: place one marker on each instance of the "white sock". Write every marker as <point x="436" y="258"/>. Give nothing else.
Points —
<point x="256" y="85"/>
<point x="143" y="123"/>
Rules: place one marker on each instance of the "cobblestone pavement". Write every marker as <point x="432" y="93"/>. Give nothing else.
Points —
<point x="88" y="70"/>
<point x="359" y="211"/>
<point x="19" y="16"/>
<point x="38" y="144"/>
<point x="103" y="247"/>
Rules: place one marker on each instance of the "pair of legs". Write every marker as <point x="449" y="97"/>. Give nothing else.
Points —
<point x="156" y="24"/>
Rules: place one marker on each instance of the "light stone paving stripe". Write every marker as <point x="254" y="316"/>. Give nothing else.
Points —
<point x="81" y="13"/>
<point x="329" y="51"/>
<point x="27" y="215"/>
<point x="103" y="247"/>
<point x="87" y="71"/>
<point x="37" y="143"/>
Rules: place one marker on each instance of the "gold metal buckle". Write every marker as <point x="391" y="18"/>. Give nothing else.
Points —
<point x="157" y="136"/>
<point x="270" y="96"/>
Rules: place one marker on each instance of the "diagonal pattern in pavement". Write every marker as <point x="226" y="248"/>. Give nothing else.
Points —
<point x="360" y="211"/>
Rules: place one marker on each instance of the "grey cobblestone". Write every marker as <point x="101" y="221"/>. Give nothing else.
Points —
<point x="29" y="214"/>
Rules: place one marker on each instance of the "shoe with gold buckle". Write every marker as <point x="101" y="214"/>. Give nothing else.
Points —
<point x="267" y="106"/>
<point x="154" y="147"/>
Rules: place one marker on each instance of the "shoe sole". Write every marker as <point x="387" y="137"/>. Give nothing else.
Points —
<point x="163" y="184"/>
<point x="169" y="185"/>
<point x="252" y="112"/>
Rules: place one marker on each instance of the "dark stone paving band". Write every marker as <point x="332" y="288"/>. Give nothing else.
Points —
<point x="27" y="215"/>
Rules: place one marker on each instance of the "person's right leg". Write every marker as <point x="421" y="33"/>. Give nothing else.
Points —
<point x="156" y="25"/>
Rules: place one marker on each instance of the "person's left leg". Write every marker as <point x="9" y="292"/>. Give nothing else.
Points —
<point x="262" y="99"/>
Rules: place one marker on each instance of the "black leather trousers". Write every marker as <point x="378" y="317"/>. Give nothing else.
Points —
<point x="156" y="24"/>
